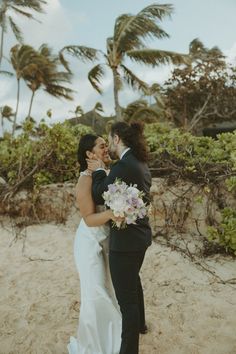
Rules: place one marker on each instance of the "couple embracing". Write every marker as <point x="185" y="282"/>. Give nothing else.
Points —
<point x="112" y="304"/>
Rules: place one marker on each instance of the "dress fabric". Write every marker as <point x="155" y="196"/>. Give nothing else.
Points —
<point x="99" y="329"/>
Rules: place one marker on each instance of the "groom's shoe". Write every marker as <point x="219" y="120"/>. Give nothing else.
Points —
<point x="143" y="330"/>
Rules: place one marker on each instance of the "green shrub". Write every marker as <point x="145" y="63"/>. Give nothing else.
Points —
<point x="41" y="154"/>
<point x="231" y="184"/>
<point x="225" y="233"/>
<point x="199" y="156"/>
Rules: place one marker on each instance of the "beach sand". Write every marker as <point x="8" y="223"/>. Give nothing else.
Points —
<point x="188" y="310"/>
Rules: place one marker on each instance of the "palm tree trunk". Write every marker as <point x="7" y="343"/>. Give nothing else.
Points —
<point x="17" y="105"/>
<point x="115" y="91"/>
<point x="1" y="46"/>
<point x="2" y="124"/>
<point x="2" y="31"/>
<point x="31" y="103"/>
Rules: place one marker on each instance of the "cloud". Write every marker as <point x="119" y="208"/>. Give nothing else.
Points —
<point x="53" y="26"/>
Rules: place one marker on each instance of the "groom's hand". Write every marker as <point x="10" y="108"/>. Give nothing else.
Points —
<point x="94" y="164"/>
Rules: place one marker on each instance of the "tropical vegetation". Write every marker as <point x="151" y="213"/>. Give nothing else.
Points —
<point x="128" y="42"/>
<point x="199" y="94"/>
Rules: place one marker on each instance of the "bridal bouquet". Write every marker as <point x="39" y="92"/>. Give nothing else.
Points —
<point x="126" y="202"/>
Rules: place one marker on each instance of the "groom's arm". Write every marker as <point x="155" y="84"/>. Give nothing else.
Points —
<point x="101" y="180"/>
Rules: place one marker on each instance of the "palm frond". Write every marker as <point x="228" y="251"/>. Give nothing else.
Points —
<point x="95" y="75"/>
<point x="196" y="46"/>
<point x="59" y="91"/>
<point x="132" y="29"/>
<point x="16" y="30"/>
<point x="133" y="80"/>
<point x="120" y="25"/>
<point x="133" y="107"/>
<point x="81" y="52"/>
<point x="215" y="52"/>
<point x="27" y="55"/>
<point x="64" y="62"/>
<point x="157" y="11"/>
<point x="45" y="50"/>
<point x="156" y="57"/>
<point x="79" y="111"/>
<point x="197" y="51"/>
<point x="146" y="114"/>
<point x="60" y="76"/>
<point x="139" y="110"/>
<point x="128" y="33"/>
<point x="7" y="73"/>
<point x="98" y="107"/>
<point x="2" y="17"/>
<point x="23" y="13"/>
<point x="35" y="5"/>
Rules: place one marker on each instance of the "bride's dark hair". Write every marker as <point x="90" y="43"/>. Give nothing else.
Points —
<point x="86" y="143"/>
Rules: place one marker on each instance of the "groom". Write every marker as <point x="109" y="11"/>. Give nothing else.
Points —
<point x="127" y="246"/>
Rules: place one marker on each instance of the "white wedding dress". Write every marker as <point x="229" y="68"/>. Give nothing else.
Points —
<point x="99" y="330"/>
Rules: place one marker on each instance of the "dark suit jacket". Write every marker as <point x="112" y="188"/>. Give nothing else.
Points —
<point x="135" y="237"/>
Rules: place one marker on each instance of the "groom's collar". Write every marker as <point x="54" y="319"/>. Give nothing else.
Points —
<point x="124" y="152"/>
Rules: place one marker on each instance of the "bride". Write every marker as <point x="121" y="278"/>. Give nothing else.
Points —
<point x="99" y="330"/>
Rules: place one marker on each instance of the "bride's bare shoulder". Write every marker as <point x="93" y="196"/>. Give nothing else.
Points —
<point x="83" y="185"/>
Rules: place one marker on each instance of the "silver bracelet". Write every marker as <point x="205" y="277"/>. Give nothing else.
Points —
<point x="86" y="173"/>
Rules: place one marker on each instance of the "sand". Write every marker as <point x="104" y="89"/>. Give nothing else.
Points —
<point x="188" y="310"/>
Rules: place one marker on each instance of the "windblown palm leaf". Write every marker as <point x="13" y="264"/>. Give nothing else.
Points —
<point x="5" y="72"/>
<point x="139" y="110"/>
<point x="132" y="29"/>
<point x="133" y="80"/>
<point x="19" y="7"/>
<point x="156" y="57"/>
<point x="80" y="52"/>
<point x="95" y="75"/>
<point x="16" y="30"/>
<point x="197" y="50"/>
<point x="59" y="91"/>
<point x="98" y="107"/>
<point x="23" y="13"/>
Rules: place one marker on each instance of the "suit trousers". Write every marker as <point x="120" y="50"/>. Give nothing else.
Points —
<point x="125" y="267"/>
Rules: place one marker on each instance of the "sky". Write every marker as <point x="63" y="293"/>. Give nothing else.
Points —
<point x="90" y="22"/>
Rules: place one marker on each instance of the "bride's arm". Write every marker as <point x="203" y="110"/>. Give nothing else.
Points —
<point x="86" y="205"/>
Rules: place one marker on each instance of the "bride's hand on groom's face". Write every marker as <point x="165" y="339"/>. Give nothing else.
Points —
<point x="94" y="164"/>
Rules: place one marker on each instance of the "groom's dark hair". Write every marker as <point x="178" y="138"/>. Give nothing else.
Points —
<point x="86" y="143"/>
<point x="132" y="136"/>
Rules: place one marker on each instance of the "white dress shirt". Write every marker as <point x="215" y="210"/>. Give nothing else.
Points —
<point x="124" y="152"/>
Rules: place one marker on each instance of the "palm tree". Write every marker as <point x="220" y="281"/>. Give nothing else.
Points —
<point x="18" y="7"/>
<point x="96" y="109"/>
<point x="199" y="54"/>
<point x="6" y="113"/>
<point x="23" y="60"/>
<point x="45" y="74"/>
<point x="128" y="41"/>
<point x="37" y="69"/>
<point x="140" y="110"/>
